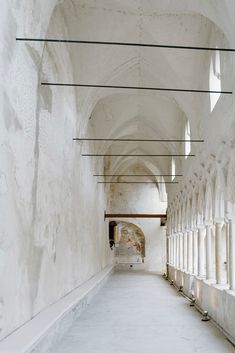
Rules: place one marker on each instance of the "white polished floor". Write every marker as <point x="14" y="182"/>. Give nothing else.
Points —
<point x="139" y="312"/>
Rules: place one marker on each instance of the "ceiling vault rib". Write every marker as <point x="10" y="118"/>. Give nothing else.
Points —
<point x="134" y="88"/>
<point x="146" y="45"/>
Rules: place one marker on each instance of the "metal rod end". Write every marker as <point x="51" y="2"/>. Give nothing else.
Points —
<point x="205" y="316"/>
<point x="193" y="301"/>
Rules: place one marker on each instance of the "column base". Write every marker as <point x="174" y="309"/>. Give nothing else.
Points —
<point x="231" y="292"/>
<point x="210" y="281"/>
<point x="221" y="286"/>
<point x="201" y="277"/>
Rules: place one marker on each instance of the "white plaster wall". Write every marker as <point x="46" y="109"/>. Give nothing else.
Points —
<point x="143" y="198"/>
<point x="52" y="233"/>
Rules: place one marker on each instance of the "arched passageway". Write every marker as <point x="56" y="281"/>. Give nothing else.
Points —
<point x="130" y="244"/>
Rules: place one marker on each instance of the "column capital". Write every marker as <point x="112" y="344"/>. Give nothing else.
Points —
<point x="231" y="220"/>
<point x="201" y="226"/>
<point x="208" y="223"/>
<point x="219" y="225"/>
<point x="219" y="220"/>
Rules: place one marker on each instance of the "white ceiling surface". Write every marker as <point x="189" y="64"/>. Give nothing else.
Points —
<point x="141" y="114"/>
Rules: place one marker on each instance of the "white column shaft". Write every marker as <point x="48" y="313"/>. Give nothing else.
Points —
<point x="169" y="248"/>
<point x="232" y="254"/>
<point x="172" y="250"/>
<point x="218" y="253"/>
<point x="185" y="251"/>
<point x="195" y="252"/>
<point x="208" y="253"/>
<point x="189" y="251"/>
<point x="227" y="250"/>
<point x="201" y="256"/>
<point x="181" y="251"/>
<point x="177" y="250"/>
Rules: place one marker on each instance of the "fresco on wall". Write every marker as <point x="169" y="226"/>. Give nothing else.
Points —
<point x="131" y="245"/>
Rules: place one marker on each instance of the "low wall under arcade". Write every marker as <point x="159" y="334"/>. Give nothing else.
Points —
<point x="218" y="300"/>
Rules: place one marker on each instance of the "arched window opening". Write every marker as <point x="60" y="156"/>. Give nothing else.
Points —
<point x="187" y="136"/>
<point x="173" y="169"/>
<point x="215" y="79"/>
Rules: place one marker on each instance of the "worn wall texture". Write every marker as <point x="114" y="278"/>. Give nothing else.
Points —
<point x="52" y="233"/>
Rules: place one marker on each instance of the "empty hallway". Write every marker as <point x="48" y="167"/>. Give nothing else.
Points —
<point x="137" y="312"/>
<point x="117" y="155"/>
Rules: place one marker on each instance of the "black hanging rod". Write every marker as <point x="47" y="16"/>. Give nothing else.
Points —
<point x="133" y="140"/>
<point x="128" y="44"/>
<point x="133" y="215"/>
<point x="134" y="87"/>
<point x="137" y="182"/>
<point x="138" y="155"/>
<point x="137" y="175"/>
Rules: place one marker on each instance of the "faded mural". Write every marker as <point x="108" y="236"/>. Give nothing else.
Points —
<point x="130" y="243"/>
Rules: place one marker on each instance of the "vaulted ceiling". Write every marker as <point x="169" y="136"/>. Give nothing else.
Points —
<point x="118" y="113"/>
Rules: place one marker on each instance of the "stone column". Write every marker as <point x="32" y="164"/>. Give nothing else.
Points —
<point x="189" y="251"/>
<point x="172" y="249"/>
<point x="178" y="237"/>
<point x="201" y="252"/>
<point x="178" y="253"/>
<point x="177" y="250"/>
<point x="181" y="251"/>
<point x="227" y="250"/>
<point x="195" y="251"/>
<point x="169" y="249"/>
<point x="185" y="251"/>
<point x="218" y="252"/>
<point x="231" y="259"/>
<point x="209" y="274"/>
<point x="175" y="257"/>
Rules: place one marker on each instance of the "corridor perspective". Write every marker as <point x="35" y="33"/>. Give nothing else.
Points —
<point x="147" y="317"/>
<point x="117" y="176"/>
